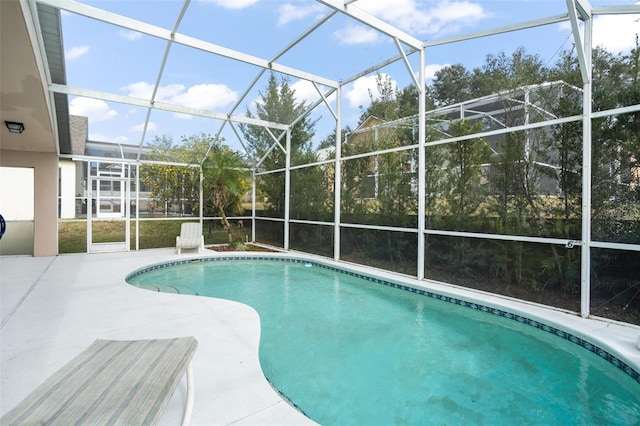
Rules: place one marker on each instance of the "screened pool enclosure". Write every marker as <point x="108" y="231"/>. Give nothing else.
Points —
<point x="499" y="158"/>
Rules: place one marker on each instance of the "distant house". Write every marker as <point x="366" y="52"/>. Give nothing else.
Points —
<point x="375" y="134"/>
<point x="106" y="193"/>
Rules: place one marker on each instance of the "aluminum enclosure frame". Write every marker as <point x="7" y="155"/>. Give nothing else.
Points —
<point x="579" y="15"/>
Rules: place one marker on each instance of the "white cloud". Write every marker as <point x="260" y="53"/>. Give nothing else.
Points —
<point x="304" y="91"/>
<point x="292" y="12"/>
<point x="206" y="96"/>
<point x="95" y="109"/>
<point x="457" y="13"/>
<point x="201" y="96"/>
<point x="431" y="70"/>
<point x="356" y="34"/>
<point x="103" y="138"/>
<point x="151" y="127"/>
<point x="181" y="116"/>
<point x="358" y="92"/>
<point x="129" y="35"/>
<point x="75" y="52"/>
<point x="141" y="89"/>
<point x="616" y="33"/>
<point x="403" y="13"/>
<point x="445" y="17"/>
<point x="232" y="4"/>
<point x="144" y="90"/>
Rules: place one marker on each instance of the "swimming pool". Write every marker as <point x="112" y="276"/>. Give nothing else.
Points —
<point x="352" y="349"/>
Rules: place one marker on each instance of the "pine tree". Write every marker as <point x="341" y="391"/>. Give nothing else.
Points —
<point x="278" y="104"/>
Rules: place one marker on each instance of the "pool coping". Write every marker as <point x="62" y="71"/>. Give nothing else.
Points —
<point x="612" y="341"/>
<point x="54" y="307"/>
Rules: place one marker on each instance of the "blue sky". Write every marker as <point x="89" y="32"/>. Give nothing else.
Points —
<point x="111" y="59"/>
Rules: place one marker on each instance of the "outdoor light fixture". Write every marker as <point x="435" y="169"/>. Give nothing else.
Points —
<point x="14" y="126"/>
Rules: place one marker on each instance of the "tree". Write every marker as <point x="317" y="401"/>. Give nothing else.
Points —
<point x="278" y="104"/>
<point x="452" y="84"/>
<point x="226" y="180"/>
<point x="171" y="186"/>
<point x="465" y="160"/>
<point x="388" y="178"/>
<point x="225" y="176"/>
<point x="566" y="140"/>
<point x="506" y="73"/>
<point x="408" y="101"/>
<point x="330" y="140"/>
<point x="383" y="106"/>
<point x="616" y="153"/>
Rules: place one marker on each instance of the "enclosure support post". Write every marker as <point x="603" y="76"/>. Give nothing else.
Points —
<point x="125" y="185"/>
<point x="287" y="190"/>
<point x="585" y="274"/>
<point x="337" y="187"/>
<point x="421" y="167"/>
<point x="584" y="53"/>
<point x="89" y="206"/>
<point x="201" y="212"/>
<point x="253" y="206"/>
<point x="137" y="168"/>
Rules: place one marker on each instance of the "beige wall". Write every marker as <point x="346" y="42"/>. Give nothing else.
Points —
<point x="45" y="165"/>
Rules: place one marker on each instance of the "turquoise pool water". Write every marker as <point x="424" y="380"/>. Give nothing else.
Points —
<point x="345" y="350"/>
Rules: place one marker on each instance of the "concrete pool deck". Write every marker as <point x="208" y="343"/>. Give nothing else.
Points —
<point x="54" y="307"/>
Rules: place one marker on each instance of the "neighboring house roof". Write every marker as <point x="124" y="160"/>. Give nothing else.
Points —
<point x="370" y="121"/>
<point x="325" y="153"/>
<point x="116" y="150"/>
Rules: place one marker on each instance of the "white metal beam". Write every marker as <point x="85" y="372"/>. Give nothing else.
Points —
<point x="31" y="20"/>
<point x="587" y="108"/>
<point x="500" y="30"/>
<point x="406" y="63"/>
<point x="615" y="246"/>
<point x="421" y="166"/>
<point x="584" y="9"/>
<point x="616" y="10"/>
<point x="167" y="49"/>
<point x="277" y="140"/>
<point x="325" y="100"/>
<point x="337" y="178"/>
<point x="287" y="191"/>
<point x="235" y="131"/>
<point x="164" y="34"/>
<point x="373" y="22"/>
<point x="253" y="206"/>
<point x="163" y="106"/>
<point x="376" y="67"/>
<point x="585" y="70"/>
<point x="273" y="59"/>
<point x="304" y="35"/>
<point x="271" y="148"/>
<point x="500" y="237"/>
<point x="487" y="33"/>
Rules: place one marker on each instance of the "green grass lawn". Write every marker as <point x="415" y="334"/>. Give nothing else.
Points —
<point x="72" y="235"/>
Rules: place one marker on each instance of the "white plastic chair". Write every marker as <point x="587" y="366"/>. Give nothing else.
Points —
<point x="190" y="237"/>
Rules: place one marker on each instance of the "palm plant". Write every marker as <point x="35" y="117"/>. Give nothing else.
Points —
<point x="226" y="180"/>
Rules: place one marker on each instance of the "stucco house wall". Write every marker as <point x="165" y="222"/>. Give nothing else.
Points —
<point x="45" y="166"/>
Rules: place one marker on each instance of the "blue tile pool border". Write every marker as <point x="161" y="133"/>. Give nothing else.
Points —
<point x="602" y="353"/>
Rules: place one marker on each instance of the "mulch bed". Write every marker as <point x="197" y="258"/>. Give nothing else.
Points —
<point x="247" y="247"/>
